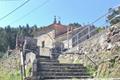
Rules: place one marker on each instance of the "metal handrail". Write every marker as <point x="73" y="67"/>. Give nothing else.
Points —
<point x="80" y="31"/>
<point x="91" y="60"/>
<point x="85" y="35"/>
<point x="77" y="41"/>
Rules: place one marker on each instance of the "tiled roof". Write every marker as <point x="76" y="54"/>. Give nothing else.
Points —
<point x="59" y="28"/>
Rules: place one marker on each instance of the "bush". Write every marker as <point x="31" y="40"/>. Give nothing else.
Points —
<point x="91" y="70"/>
<point x="1" y="54"/>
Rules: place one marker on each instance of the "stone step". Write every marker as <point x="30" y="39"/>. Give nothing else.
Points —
<point x="58" y="64"/>
<point x="44" y="62"/>
<point x="63" y="70"/>
<point x="61" y="67"/>
<point x="71" y="79"/>
<point x="44" y="57"/>
<point x="49" y="69"/>
<point x="50" y="61"/>
<point x="63" y="73"/>
<point x="63" y="77"/>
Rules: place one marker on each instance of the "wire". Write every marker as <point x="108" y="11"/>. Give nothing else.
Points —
<point x="31" y="11"/>
<point x="14" y="10"/>
<point x="9" y="0"/>
<point x="102" y="16"/>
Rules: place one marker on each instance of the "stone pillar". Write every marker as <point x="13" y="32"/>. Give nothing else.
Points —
<point x="34" y="70"/>
<point x="36" y="64"/>
<point x="21" y="57"/>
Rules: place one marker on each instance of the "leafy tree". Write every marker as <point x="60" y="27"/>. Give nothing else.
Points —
<point x="114" y="15"/>
<point x="75" y="24"/>
<point x="3" y="40"/>
<point x="8" y="35"/>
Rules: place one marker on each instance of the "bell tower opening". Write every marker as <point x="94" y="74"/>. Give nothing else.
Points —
<point x="55" y="21"/>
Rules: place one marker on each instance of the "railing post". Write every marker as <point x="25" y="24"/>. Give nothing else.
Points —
<point x="61" y="48"/>
<point x="84" y="58"/>
<point x="68" y="37"/>
<point x="89" y="31"/>
<point x="77" y="41"/>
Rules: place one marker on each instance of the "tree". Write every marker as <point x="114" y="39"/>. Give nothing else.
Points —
<point x="3" y="40"/>
<point x="75" y="24"/>
<point x="114" y="15"/>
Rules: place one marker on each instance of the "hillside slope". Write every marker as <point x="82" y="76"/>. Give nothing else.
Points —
<point x="101" y="50"/>
<point x="10" y="67"/>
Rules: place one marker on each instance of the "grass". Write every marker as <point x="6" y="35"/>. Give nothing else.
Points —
<point x="10" y="75"/>
<point x="9" y="68"/>
<point x="5" y="75"/>
<point x="28" y="70"/>
<point x="91" y="70"/>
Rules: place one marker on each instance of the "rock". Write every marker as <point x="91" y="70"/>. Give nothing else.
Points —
<point x="103" y="70"/>
<point x="102" y="47"/>
<point x="109" y="47"/>
<point x="115" y="38"/>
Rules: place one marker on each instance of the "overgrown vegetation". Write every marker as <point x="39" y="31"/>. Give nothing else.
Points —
<point x="114" y="15"/>
<point x="99" y="29"/>
<point x="10" y="76"/>
<point x="91" y="70"/>
<point x="1" y="54"/>
<point x="75" y="24"/>
<point x="8" y="36"/>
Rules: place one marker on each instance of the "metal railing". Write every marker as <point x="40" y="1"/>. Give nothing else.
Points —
<point x="83" y="37"/>
<point x="90" y="33"/>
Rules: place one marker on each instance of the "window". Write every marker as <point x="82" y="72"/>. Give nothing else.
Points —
<point x="43" y="44"/>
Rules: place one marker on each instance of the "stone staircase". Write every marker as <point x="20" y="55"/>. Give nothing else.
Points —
<point x="51" y="69"/>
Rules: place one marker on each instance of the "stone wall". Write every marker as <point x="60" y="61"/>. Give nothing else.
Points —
<point x="67" y="43"/>
<point x="48" y="39"/>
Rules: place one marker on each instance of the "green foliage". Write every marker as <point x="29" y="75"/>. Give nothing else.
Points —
<point x="100" y="29"/>
<point x="10" y="76"/>
<point x="112" y="62"/>
<point x="91" y="70"/>
<point x="3" y="40"/>
<point x="75" y="24"/>
<point x="1" y="54"/>
<point x="8" y="36"/>
<point x="28" y="70"/>
<point x="117" y="49"/>
<point x="114" y="16"/>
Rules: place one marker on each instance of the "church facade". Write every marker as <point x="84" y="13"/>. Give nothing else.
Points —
<point x="59" y="37"/>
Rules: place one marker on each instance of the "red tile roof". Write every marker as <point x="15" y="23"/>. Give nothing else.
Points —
<point x="59" y="28"/>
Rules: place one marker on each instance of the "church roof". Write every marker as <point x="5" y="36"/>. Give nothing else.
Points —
<point x="59" y="28"/>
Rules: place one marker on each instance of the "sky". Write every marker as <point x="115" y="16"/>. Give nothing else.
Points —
<point x="69" y="11"/>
